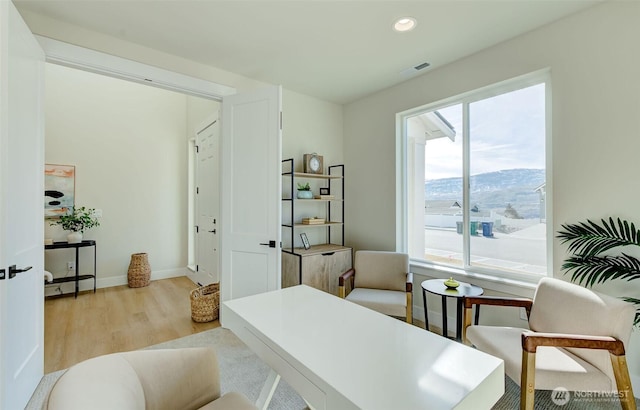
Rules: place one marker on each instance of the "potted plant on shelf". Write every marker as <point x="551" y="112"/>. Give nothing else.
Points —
<point x="77" y="221"/>
<point x="304" y="191"/>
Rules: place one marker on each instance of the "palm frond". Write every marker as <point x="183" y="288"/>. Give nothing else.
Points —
<point x="598" y="269"/>
<point x="591" y="239"/>
<point x="637" y="303"/>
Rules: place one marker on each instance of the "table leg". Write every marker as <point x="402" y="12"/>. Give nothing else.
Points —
<point x="267" y="390"/>
<point x="445" y="331"/>
<point x="426" y="312"/>
<point x="95" y="272"/>
<point x="459" y="319"/>
<point x="77" y="270"/>
<point x="477" y="318"/>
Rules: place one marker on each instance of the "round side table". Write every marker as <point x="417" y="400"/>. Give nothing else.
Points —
<point x="437" y="287"/>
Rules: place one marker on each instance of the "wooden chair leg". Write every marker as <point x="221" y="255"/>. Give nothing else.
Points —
<point x="527" y="380"/>
<point x="467" y="323"/>
<point x="623" y="382"/>
<point x="341" y="292"/>
<point x="409" y="308"/>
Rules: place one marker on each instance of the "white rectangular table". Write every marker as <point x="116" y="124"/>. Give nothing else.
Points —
<point x="339" y="355"/>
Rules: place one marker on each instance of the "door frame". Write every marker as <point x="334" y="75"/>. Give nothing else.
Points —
<point x="193" y="196"/>
<point x="69" y="55"/>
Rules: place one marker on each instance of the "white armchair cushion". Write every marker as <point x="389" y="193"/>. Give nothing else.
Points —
<point x="163" y="379"/>
<point x="555" y="367"/>
<point x="388" y="302"/>
<point x="563" y="307"/>
<point x="381" y="270"/>
<point x="75" y="391"/>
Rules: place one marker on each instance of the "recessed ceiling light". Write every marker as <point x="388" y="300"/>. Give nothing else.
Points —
<point x="405" y="24"/>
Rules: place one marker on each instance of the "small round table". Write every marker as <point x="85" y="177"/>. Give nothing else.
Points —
<point x="437" y="287"/>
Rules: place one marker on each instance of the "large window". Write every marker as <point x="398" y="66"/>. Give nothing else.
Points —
<point x="476" y="180"/>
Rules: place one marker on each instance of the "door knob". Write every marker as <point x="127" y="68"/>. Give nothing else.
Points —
<point x="13" y="270"/>
<point x="271" y="244"/>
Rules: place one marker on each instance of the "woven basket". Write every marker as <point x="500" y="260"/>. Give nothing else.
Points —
<point x="139" y="271"/>
<point x="205" y="302"/>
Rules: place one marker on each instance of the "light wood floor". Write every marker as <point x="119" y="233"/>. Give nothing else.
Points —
<point x="117" y="319"/>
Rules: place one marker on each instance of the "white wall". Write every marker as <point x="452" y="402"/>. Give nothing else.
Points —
<point x="595" y="130"/>
<point x="198" y="110"/>
<point x="127" y="142"/>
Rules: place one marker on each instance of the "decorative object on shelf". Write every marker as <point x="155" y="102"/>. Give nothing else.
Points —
<point x="139" y="271"/>
<point x="305" y="240"/>
<point x="592" y="262"/>
<point x="313" y="221"/>
<point x="205" y="303"/>
<point x="312" y="163"/>
<point x="59" y="189"/>
<point x="451" y="283"/>
<point x="304" y="191"/>
<point x="77" y="221"/>
<point x="325" y="194"/>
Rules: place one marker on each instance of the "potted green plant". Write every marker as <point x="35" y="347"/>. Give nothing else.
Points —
<point x="304" y="191"/>
<point x="76" y="222"/>
<point x="594" y="262"/>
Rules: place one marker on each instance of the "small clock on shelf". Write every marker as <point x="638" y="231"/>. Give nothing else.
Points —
<point x="312" y="163"/>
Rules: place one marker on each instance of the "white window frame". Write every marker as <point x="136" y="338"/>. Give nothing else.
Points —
<point x="402" y="180"/>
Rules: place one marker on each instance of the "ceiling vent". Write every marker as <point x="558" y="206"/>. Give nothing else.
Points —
<point x="413" y="70"/>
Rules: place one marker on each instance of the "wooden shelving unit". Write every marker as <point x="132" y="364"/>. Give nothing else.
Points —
<point x="320" y="265"/>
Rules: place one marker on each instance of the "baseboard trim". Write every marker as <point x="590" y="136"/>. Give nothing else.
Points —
<point x="111" y="281"/>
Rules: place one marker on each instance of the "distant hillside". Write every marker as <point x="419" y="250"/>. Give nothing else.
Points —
<point x="494" y="190"/>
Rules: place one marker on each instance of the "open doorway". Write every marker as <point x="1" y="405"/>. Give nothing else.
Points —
<point x="128" y="143"/>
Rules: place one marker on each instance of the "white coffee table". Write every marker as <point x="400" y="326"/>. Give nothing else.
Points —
<point x="339" y="355"/>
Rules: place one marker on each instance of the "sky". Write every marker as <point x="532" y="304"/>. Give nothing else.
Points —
<point x="506" y="132"/>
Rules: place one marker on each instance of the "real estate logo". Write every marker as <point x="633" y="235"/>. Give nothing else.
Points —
<point x="560" y="396"/>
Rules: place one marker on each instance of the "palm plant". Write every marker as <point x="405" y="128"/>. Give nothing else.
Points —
<point x="589" y="265"/>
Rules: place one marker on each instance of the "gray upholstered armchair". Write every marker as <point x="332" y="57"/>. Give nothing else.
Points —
<point x="146" y="379"/>
<point x="380" y="281"/>
<point x="576" y="340"/>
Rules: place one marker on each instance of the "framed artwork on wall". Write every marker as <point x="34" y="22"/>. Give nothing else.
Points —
<point x="59" y="189"/>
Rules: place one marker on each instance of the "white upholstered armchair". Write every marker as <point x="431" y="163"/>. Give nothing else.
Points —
<point x="577" y="340"/>
<point x="166" y="379"/>
<point x="380" y="281"/>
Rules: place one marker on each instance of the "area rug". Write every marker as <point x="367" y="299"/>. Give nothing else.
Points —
<point x="242" y="371"/>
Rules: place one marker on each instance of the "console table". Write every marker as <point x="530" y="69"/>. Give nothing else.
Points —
<point x="77" y="278"/>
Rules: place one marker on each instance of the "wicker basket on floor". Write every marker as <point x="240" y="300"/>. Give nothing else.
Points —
<point x="205" y="302"/>
<point x="139" y="271"/>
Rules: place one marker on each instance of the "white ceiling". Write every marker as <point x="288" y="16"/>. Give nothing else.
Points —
<point x="338" y="51"/>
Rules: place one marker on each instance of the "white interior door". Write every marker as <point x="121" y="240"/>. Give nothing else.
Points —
<point x="21" y="210"/>
<point x="251" y="193"/>
<point x="207" y="201"/>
